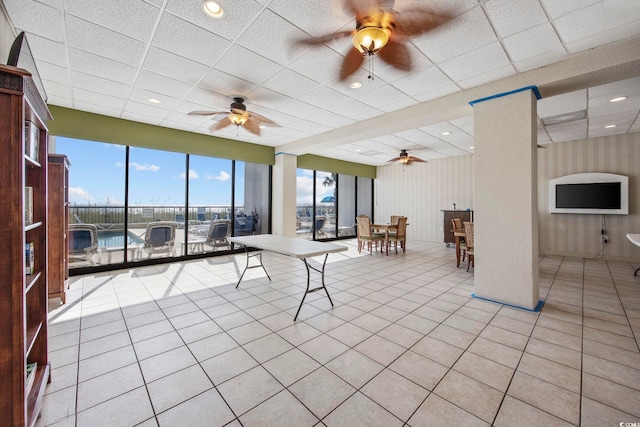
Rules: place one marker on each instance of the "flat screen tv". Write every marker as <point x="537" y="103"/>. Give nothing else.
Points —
<point x="590" y="193"/>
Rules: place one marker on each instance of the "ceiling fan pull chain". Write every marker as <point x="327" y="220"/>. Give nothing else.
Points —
<point x="370" y="67"/>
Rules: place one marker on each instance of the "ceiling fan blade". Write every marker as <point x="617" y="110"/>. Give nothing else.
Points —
<point x="220" y="124"/>
<point x="361" y="6"/>
<point x="205" y="113"/>
<point x="252" y="126"/>
<point x="351" y="63"/>
<point x="394" y="159"/>
<point x="396" y="54"/>
<point x="412" y="22"/>
<point x="416" y="159"/>
<point x="262" y="120"/>
<point x="325" y="39"/>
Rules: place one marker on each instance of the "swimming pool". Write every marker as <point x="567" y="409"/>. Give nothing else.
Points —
<point x="115" y="238"/>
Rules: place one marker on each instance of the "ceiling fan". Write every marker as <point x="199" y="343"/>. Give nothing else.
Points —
<point x="404" y="158"/>
<point x="239" y="116"/>
<point x="382" y="32"/>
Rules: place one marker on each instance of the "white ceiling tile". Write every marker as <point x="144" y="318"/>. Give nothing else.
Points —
<point x="237" y="15"/>
<point x="133" y="18"/>
<point x="267" y="99"/>
<point x="290" y="83"/>
<point x="171" y="65"/>
<point x="437" y="93"/>
<point x="61" y="101"/>
<point x="88" y="63"/>
<point x="320" y="63"/>
<point x="54" y="73"/>
<point x="96" y="109"/>
<point x="513" y="16"/>
<point x="465" y="124"/>
<point x="546" y="58"/>
<point x="142" y="96"/>
<point x="398" y="105"/>
<point x="103" y="42"/>
<point x="247" y="65"/>
<point x="316" y="18"/>
<point x="146" y="109"/>
<point x="532" y="42"/>
<point x="422" y="82"/>
<point x="100" y="85"/>
<point x="601" y="17"/>
<point x="560" y="104"/>
<point x="55" y="89"/>
<point x="389" y="73"/>
<point x="141" y="118"/>
<point x="157" y="83"/>
<point x="48" y="50"/>
<point x="89" y="97"/>
<point x="624" y="119"/>
<point x="636" y="125"/>
<point x="280" y="45"/>
<point x="226" y="84"/>
<point x="487" y="58"/>
<point x="489" y="76"/>
<point x="542" y="136"/>
<point x="556" y="8"/>
<point x="29" y="16"/>
<point x="209" y="100"/>
<point x="602" y="106"/>
<point x="621" y="88"/>
<point x="382" y="96"/>
<point x="177" y="125"/>
<point x="568" y="131"/>
<point x="182" y="38"/>
<point x="619" y="33"/>
<point x="324" y="97"/>
<point x="463" y="34"/>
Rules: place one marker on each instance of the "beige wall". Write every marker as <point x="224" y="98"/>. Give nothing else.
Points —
<point x="422" y="190"/>
<point x="579" y="235"/>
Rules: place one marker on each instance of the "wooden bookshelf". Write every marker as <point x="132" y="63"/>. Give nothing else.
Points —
<point x="23" y="297"/>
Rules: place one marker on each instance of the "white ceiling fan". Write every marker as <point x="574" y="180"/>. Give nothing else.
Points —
<point x="239" y="116"/>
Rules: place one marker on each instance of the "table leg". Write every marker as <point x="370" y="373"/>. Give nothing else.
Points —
<point x="258" y="254"/>
<point x="386" y="241"/>
<point x="457" y="251"/>
<point x="308" y="291"/>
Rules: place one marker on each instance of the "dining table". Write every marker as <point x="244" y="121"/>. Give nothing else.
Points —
<point x="386" y="228"/>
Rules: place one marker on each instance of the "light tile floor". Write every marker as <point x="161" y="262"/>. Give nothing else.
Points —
<point x="405" y="344"/>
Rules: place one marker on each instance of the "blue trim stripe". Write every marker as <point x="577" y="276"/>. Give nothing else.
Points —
<point x="534" y="89"/>
<point x="535" y="310"/>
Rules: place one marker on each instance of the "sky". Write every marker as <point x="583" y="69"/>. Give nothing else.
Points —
<point x="96" y="177"/>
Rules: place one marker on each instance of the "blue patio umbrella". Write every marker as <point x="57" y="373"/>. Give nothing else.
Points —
<point x="328" y="199"/>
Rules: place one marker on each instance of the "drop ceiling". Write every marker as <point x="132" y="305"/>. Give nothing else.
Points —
<point x="112" y="57"/>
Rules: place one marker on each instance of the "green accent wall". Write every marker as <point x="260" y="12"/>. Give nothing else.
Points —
<point x="319" y="163"/>
<point x="95" y="127"/>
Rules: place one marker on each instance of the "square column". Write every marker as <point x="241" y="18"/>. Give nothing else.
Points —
<point x="506" y="198"/>
<point x="283" y="221"/>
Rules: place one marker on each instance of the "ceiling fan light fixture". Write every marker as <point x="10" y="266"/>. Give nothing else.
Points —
<point x="212" y="8"/>
<point x="370" y="39"/>
<point x="237" y="118"/>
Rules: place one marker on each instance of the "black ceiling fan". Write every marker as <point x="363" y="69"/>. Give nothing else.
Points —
<point x="239" y="116"/>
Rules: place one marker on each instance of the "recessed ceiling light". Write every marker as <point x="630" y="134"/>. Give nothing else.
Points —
<point x="471" y="148"/>
<point x="355" y="85"/>
<point x="358" y="150"/>
<point x="609" y="126"/>
<point x="154" y="101"/>
<point x="618" y="99"/>
<point x="445" y="133"/>
<point x="212" y="9"/>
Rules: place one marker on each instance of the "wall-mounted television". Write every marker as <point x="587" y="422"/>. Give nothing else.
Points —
<point x="590" y="193"/>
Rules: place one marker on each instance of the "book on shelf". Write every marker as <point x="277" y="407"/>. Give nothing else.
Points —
<point x="31" y="140"/>
<point x="31" y="374"/>
<point x="28" y="205"/>
<point x="29" y="258"/>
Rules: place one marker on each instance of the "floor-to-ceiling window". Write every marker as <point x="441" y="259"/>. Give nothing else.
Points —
<point x="210" y="182"/>
<point x="153" y="205"/>
<point x="328" y="203"/>
<point x="156" y="200"/>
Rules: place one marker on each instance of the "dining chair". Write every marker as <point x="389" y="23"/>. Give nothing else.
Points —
<point x="468" y="238"/>
<point x="366" y="235"/>
<point x="400" y="236"/>
<point x="461" y="245"/>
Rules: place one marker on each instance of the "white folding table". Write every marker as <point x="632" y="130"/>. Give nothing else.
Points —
<point x="635" y="239"/>
<point x="289" y="246"/>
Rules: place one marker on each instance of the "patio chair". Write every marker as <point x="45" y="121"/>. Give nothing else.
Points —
<point x="159" y="238"/>
<point x="202" y="219"/>
<point x="219" y="233"/>
<point x="247" y="227"/>
<point x="83" y="242"/>
<point x="180" y="222"/>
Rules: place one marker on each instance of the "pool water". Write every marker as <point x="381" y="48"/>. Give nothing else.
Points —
<point x="115" y="238"/>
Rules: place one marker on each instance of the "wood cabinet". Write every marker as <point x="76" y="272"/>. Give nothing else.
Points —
<point x="465" y="216"/>
<point x="58" y="225"/>
<point x="23" y="297"/>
